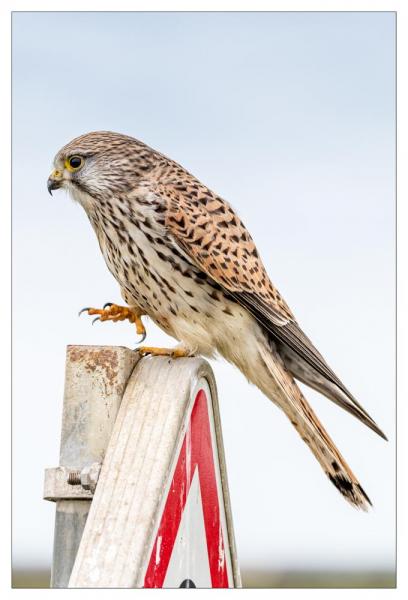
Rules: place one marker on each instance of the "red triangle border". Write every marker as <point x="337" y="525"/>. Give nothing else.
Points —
<point x="198" y="441"/>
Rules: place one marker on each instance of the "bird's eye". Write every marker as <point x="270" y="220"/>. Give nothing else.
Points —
<point x="73" y="163"/>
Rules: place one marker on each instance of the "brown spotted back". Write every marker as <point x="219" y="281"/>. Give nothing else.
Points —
<point x="209" y="231"/>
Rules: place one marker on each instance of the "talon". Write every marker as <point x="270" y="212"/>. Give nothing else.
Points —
<point x="114" y="312"/>
<point x="143" y="336"/>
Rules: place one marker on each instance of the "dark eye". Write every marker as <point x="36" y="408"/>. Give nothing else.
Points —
<point x="75" y="162"/>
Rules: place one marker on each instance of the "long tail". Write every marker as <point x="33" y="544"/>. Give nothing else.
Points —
<point x="306" y="423"/>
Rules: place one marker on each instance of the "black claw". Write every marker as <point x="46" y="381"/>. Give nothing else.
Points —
<point x="96" y="319"/>
<point x="107" y="304"/>
<point x="143" y="338"/>
<point x="83" y="310"/>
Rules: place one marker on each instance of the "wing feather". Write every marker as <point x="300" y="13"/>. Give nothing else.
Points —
<point x="208" y="231"/>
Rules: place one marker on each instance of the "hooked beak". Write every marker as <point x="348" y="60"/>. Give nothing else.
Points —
<point x="54" y="181"/>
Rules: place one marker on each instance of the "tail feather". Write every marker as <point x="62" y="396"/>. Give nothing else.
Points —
<point x="312" y="432"/>
<point x="303" y="372"/>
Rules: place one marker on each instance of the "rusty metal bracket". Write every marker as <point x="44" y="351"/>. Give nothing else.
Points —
<point x="69" y="483"/>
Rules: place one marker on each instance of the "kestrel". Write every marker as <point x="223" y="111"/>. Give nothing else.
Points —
<point x="182" y="256"/>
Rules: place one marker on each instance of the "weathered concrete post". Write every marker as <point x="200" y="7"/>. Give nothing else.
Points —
<point x="95" y="380"/>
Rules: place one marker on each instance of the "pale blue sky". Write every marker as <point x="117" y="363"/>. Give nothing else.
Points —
<point x="289" y="116"/>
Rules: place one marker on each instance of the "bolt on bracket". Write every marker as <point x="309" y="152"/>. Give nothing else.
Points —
<point x="70" y="483"/>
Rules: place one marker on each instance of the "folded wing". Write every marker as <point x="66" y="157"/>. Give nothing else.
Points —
<point x="209" y="232"/>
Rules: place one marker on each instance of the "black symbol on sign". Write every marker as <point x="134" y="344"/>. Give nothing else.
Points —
<point x="187" y="583"/>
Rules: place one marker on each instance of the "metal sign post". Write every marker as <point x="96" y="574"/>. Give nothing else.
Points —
<point x="160" y="514"/>
<point x="95" y="379"/>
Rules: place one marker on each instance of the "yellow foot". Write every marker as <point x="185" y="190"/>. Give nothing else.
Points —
<point x="114" y="312"/>
<point x="173" y="352"/>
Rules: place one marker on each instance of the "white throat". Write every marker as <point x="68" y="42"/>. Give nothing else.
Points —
<point x="84" y="199"/>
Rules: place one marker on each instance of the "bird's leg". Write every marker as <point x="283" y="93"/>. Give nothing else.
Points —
<point x="114" y="312"/>
<point x="172" y="352"/>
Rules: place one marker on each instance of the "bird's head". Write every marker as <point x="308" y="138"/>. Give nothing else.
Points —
<point x="100" y="164"/>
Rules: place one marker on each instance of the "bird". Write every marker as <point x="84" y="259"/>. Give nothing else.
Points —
<point x="183" y="257"/>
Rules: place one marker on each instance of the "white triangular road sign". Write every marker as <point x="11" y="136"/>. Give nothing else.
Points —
<point x="189" y="566"/>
